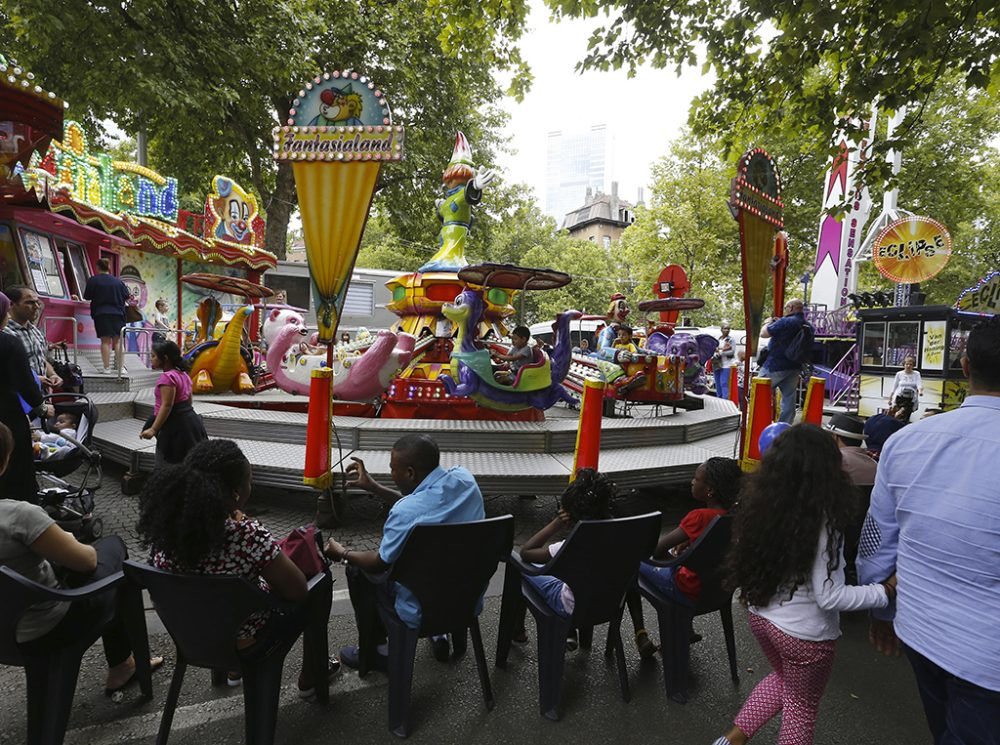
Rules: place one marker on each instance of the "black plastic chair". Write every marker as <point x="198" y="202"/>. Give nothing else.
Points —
<point x="203" y="614"/>
<point x="52" y="672"/>
<point x="705" y="557"/>
<point x="447" y="567"/>
<point x="599" y="561"/>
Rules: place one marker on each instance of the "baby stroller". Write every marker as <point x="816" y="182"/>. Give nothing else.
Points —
<point x="72" y="506"/>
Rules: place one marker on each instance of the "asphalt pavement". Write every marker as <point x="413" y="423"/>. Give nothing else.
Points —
<point x="870" y="699"/>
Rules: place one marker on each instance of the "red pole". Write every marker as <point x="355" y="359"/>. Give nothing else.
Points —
<point x="318" y="429"/>
<point x="588" y="435"/>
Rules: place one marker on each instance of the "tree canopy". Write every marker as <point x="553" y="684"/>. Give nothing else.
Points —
<point x="800" y="65"/>
<point x="207" y="82"/>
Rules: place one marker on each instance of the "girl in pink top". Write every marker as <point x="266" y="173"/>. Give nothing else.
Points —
<point x="175" y="424"/>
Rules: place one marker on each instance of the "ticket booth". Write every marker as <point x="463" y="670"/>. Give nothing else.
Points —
<point x="935" y="335"/>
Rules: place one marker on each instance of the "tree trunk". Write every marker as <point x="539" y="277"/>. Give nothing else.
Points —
<point x="281" y="202"/>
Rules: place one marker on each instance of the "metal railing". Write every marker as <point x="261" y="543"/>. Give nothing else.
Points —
<point x="146" y="355"/>
<point x="848" y="365"/>
<point x="72" y="320"/>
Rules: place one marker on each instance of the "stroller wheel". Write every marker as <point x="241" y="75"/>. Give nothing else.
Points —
<point x="95" y="529"/>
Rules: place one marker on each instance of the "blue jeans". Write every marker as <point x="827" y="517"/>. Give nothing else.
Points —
<point x="721" y="382"/>
<point x="551" y="589"/>
<point x="785" y="381"/>
<point x="958" y="712"/>
<point x="662" y="578"/>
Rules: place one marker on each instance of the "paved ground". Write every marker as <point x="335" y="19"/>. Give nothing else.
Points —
<point x="870" y="699"/>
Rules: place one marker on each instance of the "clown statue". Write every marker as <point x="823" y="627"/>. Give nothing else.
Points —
<point x="339" y="107"/>
<point x="463" y="189"/>
<point x="618" y="311"/>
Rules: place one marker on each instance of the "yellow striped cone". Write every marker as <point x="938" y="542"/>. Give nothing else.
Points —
<point x="334" y="200"/>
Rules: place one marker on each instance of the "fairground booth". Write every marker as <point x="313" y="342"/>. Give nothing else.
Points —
<point x="934" y="335"/>
<point x="63" y="206"/>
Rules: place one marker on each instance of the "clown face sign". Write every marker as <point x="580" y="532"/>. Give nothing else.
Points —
<point x="231" y="211"/>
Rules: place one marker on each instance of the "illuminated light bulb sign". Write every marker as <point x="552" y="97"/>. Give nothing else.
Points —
<point x="339" y="116"/>
<point x="231" y="213"/>
<point x="114" y="186"/>
<point x="911" y="250"/>
<point x="984" y="297"/>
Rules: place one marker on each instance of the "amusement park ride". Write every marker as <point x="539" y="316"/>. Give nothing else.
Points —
<point x="433" y="371"/>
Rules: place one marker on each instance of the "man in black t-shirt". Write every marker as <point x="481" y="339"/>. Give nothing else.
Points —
<point x="108" y="296"/>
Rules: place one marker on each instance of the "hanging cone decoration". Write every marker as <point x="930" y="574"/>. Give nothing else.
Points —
<point x="339" y="133"/>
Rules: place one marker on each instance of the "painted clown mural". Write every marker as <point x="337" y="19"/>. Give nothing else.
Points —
<point x="231" y="211"/>
<point x="339" y="107"/>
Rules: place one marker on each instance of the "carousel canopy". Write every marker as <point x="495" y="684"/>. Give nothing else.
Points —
<point x="671" y="303"/>
<point x="512" y="277"/>
<point x="232" y="285"/>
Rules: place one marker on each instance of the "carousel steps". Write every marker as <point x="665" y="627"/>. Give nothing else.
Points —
<point x="555" y="435"/>
<point x="506" y="457"/>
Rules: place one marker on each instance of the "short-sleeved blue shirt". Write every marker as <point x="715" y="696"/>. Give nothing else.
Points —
<point x="450" y="496"/>
<point x="782" y="332"/>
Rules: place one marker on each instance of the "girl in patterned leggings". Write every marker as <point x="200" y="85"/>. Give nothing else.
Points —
<point x="787" y="560"/>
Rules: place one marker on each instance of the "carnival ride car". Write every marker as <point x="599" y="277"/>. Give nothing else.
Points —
<point x="537" y="385"/>
<point x="668" y="362"/>
<point x="225" y="363"/>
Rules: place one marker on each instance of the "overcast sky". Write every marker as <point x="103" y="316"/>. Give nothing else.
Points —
<point x="643" y="114"/>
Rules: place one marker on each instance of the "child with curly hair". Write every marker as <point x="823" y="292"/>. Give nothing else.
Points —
<point x="589" y="497"/>
<point x="787" y="559"/>
<point x="191" y="519"/>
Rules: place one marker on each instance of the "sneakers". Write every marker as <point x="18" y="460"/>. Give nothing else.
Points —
<point x="572" y="641"/>
<point x="440" y="647"/>
<point x="306" y="687"/>
<point x="644" y="644"/>
<point x="351" y="656"/>
<point x="234" y="679"/>
<point x="722" y="741"/>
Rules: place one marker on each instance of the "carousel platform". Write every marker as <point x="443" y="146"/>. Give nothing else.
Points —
<point x="506" y="457"/>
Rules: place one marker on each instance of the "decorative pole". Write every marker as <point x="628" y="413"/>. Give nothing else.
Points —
<point x="338" y="134"/>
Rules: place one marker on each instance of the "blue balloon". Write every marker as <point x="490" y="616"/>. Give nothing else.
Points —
<point x="769" y="434"/>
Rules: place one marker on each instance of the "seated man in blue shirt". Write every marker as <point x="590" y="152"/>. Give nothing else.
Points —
<point x="934" y="520"/>
<point x="427" y="494"/>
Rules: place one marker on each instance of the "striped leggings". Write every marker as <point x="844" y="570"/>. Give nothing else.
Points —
<point x="794" y="688"/>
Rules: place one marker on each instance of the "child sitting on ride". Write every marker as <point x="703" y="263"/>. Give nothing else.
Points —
<point x="624" y="343"/>
<point x="519" y="355"/>
<point x="54" y="444"/>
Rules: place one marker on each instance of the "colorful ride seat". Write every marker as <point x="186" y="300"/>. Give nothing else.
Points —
<point x="532" y="373"/>
<point x="534" y="376"/>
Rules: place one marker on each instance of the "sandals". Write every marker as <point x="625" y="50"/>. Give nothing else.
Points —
<point x="118" y="693"/>
<point x="645" y="645"/>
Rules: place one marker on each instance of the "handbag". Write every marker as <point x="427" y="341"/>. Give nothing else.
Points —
<point x="302" y="546"/>
<point x="132" y="314"/>
<point x="71" y="374"/>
